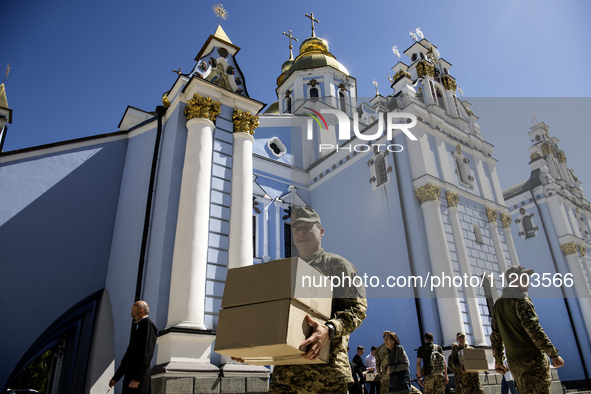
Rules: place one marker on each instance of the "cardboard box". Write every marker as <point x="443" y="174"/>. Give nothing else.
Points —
<point x="267" y="333"/>
<point x="473" y="360"/>
<point x="475" y="365"/>
<point x="290" y="278"/>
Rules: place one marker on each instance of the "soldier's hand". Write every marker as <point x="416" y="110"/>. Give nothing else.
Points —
<point x="500" y="368"/>
<point x="316" y="341"/>
<point x="557" y="361"/>
<point x="240" y="360"/>
<point x="112" y="383"/>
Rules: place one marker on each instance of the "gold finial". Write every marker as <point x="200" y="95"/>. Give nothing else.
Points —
<point x="290" y="46"/>
<point x="311" y="16"/>
<point x="177" y="71"/>
<point x="6" y="74"/>
<point x="220" y="12"/>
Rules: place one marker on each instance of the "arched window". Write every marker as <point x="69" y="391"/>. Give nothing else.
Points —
<point x="439" y="97"/>
<point x="422" y="55"/>
<point x="288" y="105"/>
<point x="314" y="93"/>
<point x="381" y="171"/>
<point x="528" y="227"/>
<point x="343" y="102"/>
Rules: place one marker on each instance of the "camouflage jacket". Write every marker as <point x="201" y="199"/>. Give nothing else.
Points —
<point x="516" y="325"/>
<point x="348" y="311"/>
<point x="382" y="356"/>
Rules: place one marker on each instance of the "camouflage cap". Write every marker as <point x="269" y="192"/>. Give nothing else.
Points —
<point x="454" y="344"/>
<point x="460" y="334"/>
<point x="518" y="269"/>
<point x="304" y="214"/>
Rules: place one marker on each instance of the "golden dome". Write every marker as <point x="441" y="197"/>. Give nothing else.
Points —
<point x="286" y="65"/>
<point x="314" y="53"/>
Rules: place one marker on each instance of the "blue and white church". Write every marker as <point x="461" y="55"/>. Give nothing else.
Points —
<point x="162" y="208"/>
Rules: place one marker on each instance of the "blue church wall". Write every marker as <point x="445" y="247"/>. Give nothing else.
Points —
<point x="264" y="134"/>
<point x="63" y="258"/>
<point x="413" y="216"/>
<point x="219" y="231"/>
<point x="363" y="225"/>
<point x="127" y="238"/>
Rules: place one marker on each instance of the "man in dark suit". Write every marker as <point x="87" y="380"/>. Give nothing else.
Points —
<point x="135" y="365"/>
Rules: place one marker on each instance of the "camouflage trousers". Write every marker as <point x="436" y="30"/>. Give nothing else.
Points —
<point x="384" y="383"/>
<point x="310" y="388"/>
<point x="434" y="384"/>
<point x="469" y="383"/>
<point x="532" y="376"/>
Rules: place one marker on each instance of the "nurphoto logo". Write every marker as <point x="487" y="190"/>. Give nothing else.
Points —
<point x="395" y="122"/>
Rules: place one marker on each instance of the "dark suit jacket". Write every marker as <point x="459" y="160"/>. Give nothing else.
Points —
<point x="138" y="357"/>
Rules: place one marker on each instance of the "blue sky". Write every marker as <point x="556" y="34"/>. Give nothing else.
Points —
<point x="77" y="64"/>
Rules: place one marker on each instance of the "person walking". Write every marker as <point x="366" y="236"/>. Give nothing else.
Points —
<point x="516" y="325"/>
<point x="135" y="365"/>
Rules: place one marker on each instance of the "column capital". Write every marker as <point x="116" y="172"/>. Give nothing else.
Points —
<point x="452" y="199"/>
<point x="569" y="248"/>
<point x="506" y="220"/>
<point x="202" y="107"/>
<point x="244" y="122"/>
<point x="583" y="250"/>
<point x="428" y="192"/>
<point x="491" y="214"/>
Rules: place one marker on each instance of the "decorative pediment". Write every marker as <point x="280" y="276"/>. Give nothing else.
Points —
<point x="216" y="64"/>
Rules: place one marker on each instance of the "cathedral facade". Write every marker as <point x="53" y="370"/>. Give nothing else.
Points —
<point x="405" y="185"/>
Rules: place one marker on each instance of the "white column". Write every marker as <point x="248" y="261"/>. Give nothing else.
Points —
<point x="186" y="343"/>
<point x="580" y="283"/>
<point x="266" y="256"/>
<point x="471" y="296"/>
<point x="240" y="250"/>
<point x="189" y="263"/>
<point x="506" y="220"/>
<point x="494" y="233"/>
<point x="448" y="303"/>
<point x="278" y="203"/>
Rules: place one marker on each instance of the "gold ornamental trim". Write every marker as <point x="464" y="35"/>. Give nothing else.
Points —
<point x="583" y="250"/>
<point x="202" y="107"/>
<point x="402" y="74"/>
<point x="452" y="199"/>
<point x="429" y="192"/>
<point x="425" y="68"/>
<point x="569" y="248"/>
<point x="491" y="214"/>
<point x="506" y="220"/>
<point x="165" y="100"/>
<point x="535" y="155"/>
<point x="547" y="149"/>
<point x="561" y="156"/>
<point x="244" y="122"/>
<point x="449" y="83"/>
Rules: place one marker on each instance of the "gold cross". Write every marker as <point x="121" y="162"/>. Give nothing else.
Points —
<point x="290" y="46"/>
<point x="311" y="16"/>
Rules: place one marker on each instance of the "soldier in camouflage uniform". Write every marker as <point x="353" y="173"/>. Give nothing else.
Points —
<point x="467" y="382"/>
<point x="382" y="356"/>
<point x="516" y="324"/>
<point x="348" y="311"/>
<point x="454" y="369"/>
<point x="434" y="383"/>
